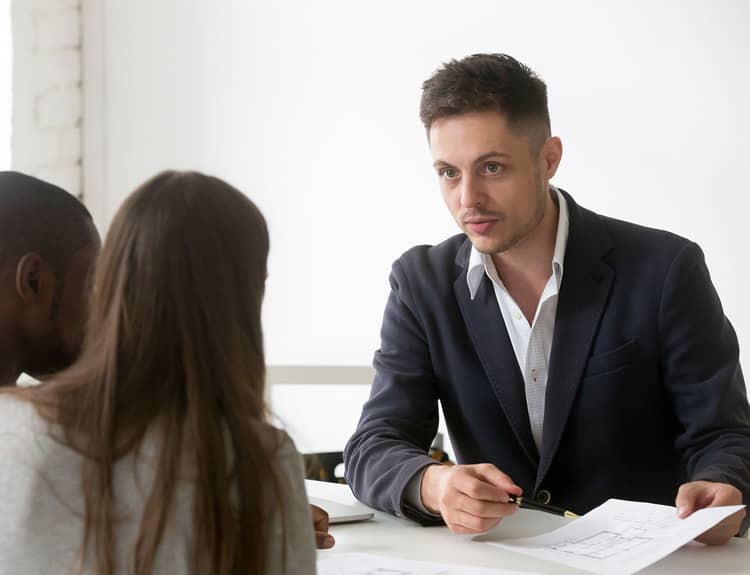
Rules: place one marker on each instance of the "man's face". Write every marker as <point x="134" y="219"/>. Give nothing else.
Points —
<point x="73" y="306"/>
<point x="492" y="181"/>
<point x="59" y="345"/>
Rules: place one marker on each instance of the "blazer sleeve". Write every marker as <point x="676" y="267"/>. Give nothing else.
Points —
<point x="701" y="370"/>
<point x="400" y="418"/>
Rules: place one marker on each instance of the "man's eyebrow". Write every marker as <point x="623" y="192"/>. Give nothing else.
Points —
<point x="492" y="154"/>
<point x="441" y="164"/>
<point x="482" y="158"/>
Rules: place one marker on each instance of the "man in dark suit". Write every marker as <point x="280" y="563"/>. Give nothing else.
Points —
<point x="576" y="357"/>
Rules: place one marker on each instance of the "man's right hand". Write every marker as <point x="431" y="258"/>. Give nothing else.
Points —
<point x="470" y="498"/>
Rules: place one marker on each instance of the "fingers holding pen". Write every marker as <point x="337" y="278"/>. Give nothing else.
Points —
<point x="485" y="481"/>
<point x="470" y="498"/>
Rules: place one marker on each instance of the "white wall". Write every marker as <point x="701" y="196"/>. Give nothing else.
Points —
<point x="6" y="84"/>
<point x="311" y="108"/>
<point x="47" y="96"/>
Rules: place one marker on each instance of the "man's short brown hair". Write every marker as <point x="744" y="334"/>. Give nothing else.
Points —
<point x="485" y="82"/>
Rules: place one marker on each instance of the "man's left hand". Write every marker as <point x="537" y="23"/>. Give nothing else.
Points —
<point x="700" y="494"/>
<point x="323" y="539"/>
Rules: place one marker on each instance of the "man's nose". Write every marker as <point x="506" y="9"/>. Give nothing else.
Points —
<point x="471" y="192"/>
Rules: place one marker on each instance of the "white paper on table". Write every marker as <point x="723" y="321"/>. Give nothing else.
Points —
<point x="619" y="537"/>
<point x="366" y="564"/>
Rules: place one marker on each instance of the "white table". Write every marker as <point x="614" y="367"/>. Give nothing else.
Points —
<point x="396" y="537"/>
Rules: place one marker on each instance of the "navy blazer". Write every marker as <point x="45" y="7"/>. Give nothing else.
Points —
<point x="644" y="388"/>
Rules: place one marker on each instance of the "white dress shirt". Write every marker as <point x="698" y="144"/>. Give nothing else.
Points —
<point x="532" y="343"/>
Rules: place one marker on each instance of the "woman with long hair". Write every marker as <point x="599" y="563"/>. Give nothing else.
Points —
<point x="153" y="452"/>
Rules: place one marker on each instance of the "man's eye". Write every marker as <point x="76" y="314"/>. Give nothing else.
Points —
<point x="493" y="168"/>
<point x="448" y="173"/>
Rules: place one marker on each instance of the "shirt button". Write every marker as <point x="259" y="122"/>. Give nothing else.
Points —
<point x="517" y="315"/>
<point x="543" y="496"/>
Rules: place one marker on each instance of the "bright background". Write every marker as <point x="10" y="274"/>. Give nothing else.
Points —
<point x="6" y="87"/>
<point x="311" y="109"/>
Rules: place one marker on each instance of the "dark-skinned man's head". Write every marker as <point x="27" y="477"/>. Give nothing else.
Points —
<point x="48" y="245"/>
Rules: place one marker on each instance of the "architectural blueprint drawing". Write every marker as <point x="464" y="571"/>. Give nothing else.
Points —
<point x="619" y="537"/>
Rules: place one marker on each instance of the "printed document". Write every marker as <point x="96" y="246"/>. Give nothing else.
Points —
<point x="366" y="564"/>
<point x="619" y="537"/>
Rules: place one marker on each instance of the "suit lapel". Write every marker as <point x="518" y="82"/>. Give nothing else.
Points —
<point x="492" y="344"/>
<point x="586" y="284"/>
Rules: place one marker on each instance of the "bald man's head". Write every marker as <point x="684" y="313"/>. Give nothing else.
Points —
<point x="48" y="244"/>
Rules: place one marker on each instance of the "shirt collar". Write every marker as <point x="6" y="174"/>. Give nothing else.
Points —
<point x="480" y="264"/>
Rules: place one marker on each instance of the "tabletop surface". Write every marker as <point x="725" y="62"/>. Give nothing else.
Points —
<point x="398" y="537"/>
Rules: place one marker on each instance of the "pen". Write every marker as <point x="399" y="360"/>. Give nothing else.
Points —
<point x="524" y="503"/>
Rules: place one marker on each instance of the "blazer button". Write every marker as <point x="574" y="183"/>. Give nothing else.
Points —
<point x="543" y="496"/>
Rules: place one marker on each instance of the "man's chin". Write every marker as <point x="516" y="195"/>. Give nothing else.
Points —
<point x="489" y="246"/>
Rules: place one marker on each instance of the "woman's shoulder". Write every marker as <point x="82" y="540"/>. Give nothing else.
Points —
<point x="27" y="438"/>
<point x="18" y="416"/>
<point x="285" y="460"/>
<point x="283" y="442"/>
<point x="274" y="438"/>
<point x="25" y="443"/>
<point x="280" y="447"/>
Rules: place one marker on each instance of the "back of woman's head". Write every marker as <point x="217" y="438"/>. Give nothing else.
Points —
<point x="179" y="288"/>
<point x="174" y="344"/>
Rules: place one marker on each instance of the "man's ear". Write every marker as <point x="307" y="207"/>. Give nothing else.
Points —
<point x="551" y="154"/>
<point x="35" y="282"/>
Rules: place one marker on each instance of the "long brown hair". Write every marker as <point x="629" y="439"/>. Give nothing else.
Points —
<point x="174" y="344"/>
